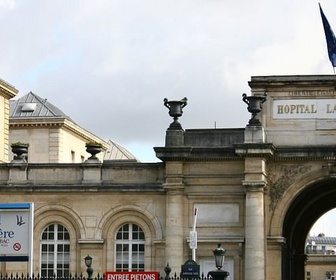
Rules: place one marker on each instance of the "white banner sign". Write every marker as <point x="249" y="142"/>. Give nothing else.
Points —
<point x="304" y="109"/>
<point x="16" y="223"/>
<point x="193" y="240"/>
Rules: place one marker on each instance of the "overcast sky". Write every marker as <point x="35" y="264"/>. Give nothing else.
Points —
<point x="326" y="224"/>
<point x="109" y="64"/>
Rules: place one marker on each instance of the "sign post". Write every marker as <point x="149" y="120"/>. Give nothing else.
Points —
<point x="16" y="233"/>
<point x="193" y="236"/>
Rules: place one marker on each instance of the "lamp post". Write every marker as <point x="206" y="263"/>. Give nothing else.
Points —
<point x="219" y="274"/>
<point x="167" y="270"/>
<point x="88" y="263"/>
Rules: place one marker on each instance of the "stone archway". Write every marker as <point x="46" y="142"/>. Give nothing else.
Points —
<point x="310" y="204"/>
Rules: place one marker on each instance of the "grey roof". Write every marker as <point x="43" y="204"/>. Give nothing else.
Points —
<point x="117" y="152"/>
<point x="31" y="105"/>
<point x="322" y="240"/>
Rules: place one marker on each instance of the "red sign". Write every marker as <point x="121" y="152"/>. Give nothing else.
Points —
<point x="134" y="275"/>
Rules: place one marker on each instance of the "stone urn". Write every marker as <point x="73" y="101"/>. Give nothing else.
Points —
<point x="20" y="150"/>
<point x="175" y="111"/>
<point x="254" y="103"/>
<point x="93" y="149"/>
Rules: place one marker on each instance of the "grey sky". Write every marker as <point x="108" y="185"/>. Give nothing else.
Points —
<point x="109" y="64"/>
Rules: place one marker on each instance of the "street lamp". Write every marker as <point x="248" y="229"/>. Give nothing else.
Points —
<point x="219" y="254"/>
<point x="219" y="274"/>
<point x="88" y="263"/>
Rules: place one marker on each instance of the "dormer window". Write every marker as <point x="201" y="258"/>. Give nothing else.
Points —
<point x="28" y="107"/>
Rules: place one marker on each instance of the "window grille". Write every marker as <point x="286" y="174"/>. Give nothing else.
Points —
<point x="130" y="248"/>
<point x="55" y="251"/>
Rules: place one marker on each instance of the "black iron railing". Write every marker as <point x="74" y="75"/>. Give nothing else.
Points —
<point x="84" y="276"/>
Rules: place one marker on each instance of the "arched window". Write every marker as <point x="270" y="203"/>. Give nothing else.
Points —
<point x="130" y="248"/>
<point x="55" y="251"/>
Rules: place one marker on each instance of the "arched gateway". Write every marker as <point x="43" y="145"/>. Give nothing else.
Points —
<point x="287" y="165"/>
<point x="298" y="120"/>
<point x="308" y="205"/>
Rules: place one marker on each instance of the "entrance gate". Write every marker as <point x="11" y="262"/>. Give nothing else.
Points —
<point x="307" y="207"/>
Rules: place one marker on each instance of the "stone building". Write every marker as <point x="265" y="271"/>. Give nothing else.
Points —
<point x="258" y="191"/>
<point x="321" y="251"/>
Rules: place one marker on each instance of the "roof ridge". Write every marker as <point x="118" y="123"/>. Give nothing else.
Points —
<point x="43" y="107"/>
<point x="44" y="102"/>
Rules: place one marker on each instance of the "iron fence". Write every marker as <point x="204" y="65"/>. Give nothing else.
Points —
<point x="82" y="276"/>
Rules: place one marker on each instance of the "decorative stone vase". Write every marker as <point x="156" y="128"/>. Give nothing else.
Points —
<point x="20" y="150"/>
<point x="93" y="149"/>
<point x="175" y="111"/>
<point x="254" y="107"/>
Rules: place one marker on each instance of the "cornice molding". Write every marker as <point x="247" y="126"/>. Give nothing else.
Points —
<point x="59" y="122"/>
<point x="7" y="90"/>
<point x="255" y="149"/>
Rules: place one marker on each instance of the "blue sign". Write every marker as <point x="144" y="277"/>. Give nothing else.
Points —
<point x="190" y="269"/>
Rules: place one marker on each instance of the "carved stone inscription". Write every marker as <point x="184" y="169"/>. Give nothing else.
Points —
<point x="312" y="93"/>
<point x="304" y="109"/>
<point x="281" y="177"/>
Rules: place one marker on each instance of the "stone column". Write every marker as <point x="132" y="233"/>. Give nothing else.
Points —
<point x="254" y="231"/>
<point x="255" y="155"/>
<point x="174" y="188"/>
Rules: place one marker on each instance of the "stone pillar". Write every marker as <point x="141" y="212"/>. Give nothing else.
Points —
<point x="254" y="231"/>
<point x="254" y="134"/>
<point x="174" y="138"/>
<point x="275" y="245"/>
<point x="255" y="155"/>
<point x="174" y="188"/>
<point x="18" y="173"/>
<point x="92" y="173"/>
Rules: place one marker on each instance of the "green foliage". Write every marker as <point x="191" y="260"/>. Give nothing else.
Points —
<point x="20" y="144"/>
<point x="95" y="144"/>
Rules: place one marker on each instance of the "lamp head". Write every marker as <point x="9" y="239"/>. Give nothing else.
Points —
<point x="88" y="261"/>
<point x="219" y="254"/>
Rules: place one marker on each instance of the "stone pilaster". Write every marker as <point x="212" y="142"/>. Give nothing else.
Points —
<point x="7" y="92"/>
<point x="255" y="155"/>
<point x="274" y="252"/>
<point x="174" y="188"/>
<point x="254" y="231"/>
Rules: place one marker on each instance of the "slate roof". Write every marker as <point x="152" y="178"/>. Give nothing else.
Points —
<point x="325" y="240"/>
<point x="117" y="152"/>
<point x="32" y="105"/>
